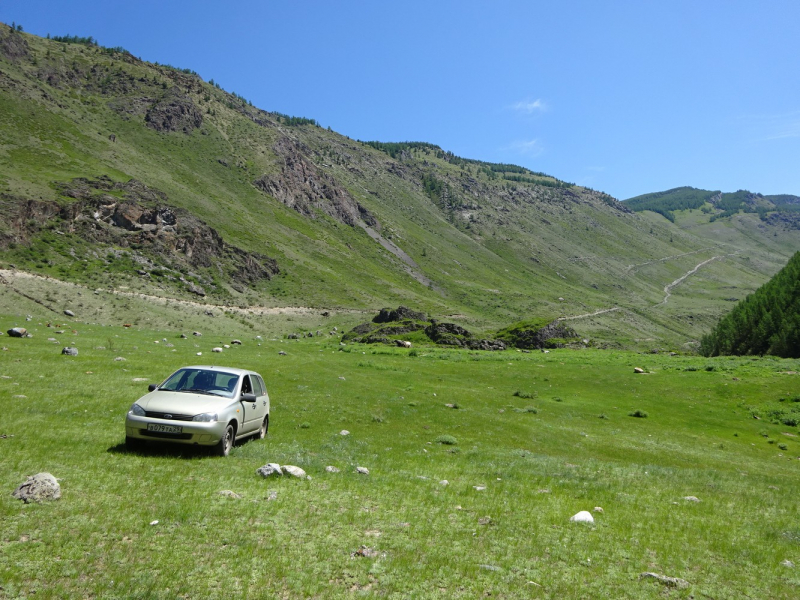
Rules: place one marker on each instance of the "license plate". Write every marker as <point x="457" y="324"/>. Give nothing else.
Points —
<point x="159" y="428"/>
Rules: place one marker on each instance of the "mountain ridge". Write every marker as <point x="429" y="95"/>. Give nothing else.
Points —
<point x="350" y="224"/>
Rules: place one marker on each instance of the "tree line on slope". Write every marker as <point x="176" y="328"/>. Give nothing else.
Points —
<point x="766" y="322"/>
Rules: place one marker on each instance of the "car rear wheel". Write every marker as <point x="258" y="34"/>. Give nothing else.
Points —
<point x="226" y="443"/>
<point x="262" y="433"/>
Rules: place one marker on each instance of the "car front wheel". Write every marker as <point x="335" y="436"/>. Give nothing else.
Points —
<point x="262" y="433"/>
<point x="226" y="443"/>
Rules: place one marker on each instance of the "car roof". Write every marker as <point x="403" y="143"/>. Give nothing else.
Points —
<point x="232" y="370"/>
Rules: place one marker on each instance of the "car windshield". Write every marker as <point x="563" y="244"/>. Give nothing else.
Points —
<point x="202" y="381"/>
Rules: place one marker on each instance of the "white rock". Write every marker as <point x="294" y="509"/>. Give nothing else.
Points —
<point x="331" y="469"/>
<point x="294" y="471"/>
<point x="362" y="470"/>
<point x="344" y="432"/>
<point x="479" y="488"/>
<point x="691" y="498"/>
<point x="444" y="482"/>
<point x="598" y="509"/>
<point x="199" y="354"/>
<point x="217" y="349"/>
<point x="270" y="470"/>
<point x="582" y="517"/>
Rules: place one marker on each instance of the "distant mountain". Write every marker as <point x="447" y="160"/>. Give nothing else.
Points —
<point x="717" y="204"/>
<point x="766" y="322"/>
<point x="119" y="173"/>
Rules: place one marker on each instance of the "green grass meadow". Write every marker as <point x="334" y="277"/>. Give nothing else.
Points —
<point x="545" y="434"/>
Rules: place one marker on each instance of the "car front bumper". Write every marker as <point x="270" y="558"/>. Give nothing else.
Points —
<point x="191" y="432"/>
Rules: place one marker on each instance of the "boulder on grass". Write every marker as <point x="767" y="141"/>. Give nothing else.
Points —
<point x="17" y="332"/>
<point x="270" y="470"/>
<point x="38" y="488"/>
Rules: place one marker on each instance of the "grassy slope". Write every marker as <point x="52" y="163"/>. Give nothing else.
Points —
<point x="514" y="253"/>
<point x="539" y="468"/>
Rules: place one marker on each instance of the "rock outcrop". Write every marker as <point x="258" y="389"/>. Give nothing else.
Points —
<point x="175" y="111"/>
<point x="301" y="185"/>
<point x="156" y="234"/>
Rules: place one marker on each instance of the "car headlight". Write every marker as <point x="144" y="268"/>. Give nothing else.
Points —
<point x="137" y="410"/>
<point x="205" y="417"/>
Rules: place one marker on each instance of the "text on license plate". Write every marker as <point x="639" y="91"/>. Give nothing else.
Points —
<point x="158" y="427"/>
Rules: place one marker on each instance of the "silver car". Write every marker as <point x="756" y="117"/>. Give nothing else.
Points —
<point x="201" y="405"/>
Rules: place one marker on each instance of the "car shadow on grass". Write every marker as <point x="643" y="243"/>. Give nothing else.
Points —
<point x="157" y="449"/>
<point x="165" y="449"/>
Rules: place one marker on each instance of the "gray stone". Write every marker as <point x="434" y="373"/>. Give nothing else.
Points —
<point x="236" y="342"/>
<point x="17" y="332"/>
<point x="331" y="469"/>
<point x="362" y="470"/>
<point x="38" y="488"/>
<point x="230" y="494"/>
<point x="668" y="581"/>
<point x="270" y="470"/>
<point x="344" y="432"/>
<point x="69" y="313"/>
<point x="294" y="471"/>
<point x="691" y="498"/>
<point x="69" y="351"/>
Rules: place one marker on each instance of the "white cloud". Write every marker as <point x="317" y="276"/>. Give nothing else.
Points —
<point x="528" y="148"/>
<point x="529" y="106"/>
<point x="774" y="127"/>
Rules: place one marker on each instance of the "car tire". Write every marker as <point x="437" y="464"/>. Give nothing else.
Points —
<point x="262" y="433"/>
<point x="226" y="443"/>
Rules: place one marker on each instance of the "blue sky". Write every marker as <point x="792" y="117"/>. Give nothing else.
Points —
<point x="627" y="97"/>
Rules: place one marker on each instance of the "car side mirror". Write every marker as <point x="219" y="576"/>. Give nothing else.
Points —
<point x="248" y="397"/>
<point x="152" y="387"/>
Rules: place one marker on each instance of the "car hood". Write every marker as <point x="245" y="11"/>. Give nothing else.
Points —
<point x="183" y="403"/>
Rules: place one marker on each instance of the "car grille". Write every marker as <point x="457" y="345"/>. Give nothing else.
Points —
<point x="168" y="416"/>
<point x="167" y="436"/>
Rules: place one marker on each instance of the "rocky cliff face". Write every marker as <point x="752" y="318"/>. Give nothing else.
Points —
<point x="139" y="220"/>
<point x="301" y="185"/>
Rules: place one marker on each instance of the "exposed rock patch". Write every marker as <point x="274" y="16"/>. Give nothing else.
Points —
<point x="153" y="232"/>
<point x="175" y="111"/>
<point x="13" y="45"/>
<point x="301" y="185"/>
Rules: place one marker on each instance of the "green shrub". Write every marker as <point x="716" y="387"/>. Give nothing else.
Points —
<point x="783" y="446"/>
<point x="447" y="440"/>
<point x="304" y="425"/>
<point x="526" y="395"/>
<point x="640" y="414"/>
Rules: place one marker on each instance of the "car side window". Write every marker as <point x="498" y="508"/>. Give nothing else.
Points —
<point x="256" y="386"/>
<point x="263" y="387"/>
<point x="246" y="387"/>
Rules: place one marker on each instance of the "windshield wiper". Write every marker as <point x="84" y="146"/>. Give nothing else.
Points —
<point x="198" y="391"/>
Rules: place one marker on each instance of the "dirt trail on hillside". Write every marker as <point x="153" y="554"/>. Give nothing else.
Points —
<point x="666" y="258"/>
<point x="7" y="277"/>
<point x="597" y="312"/>
<point x="667" y="288"/>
